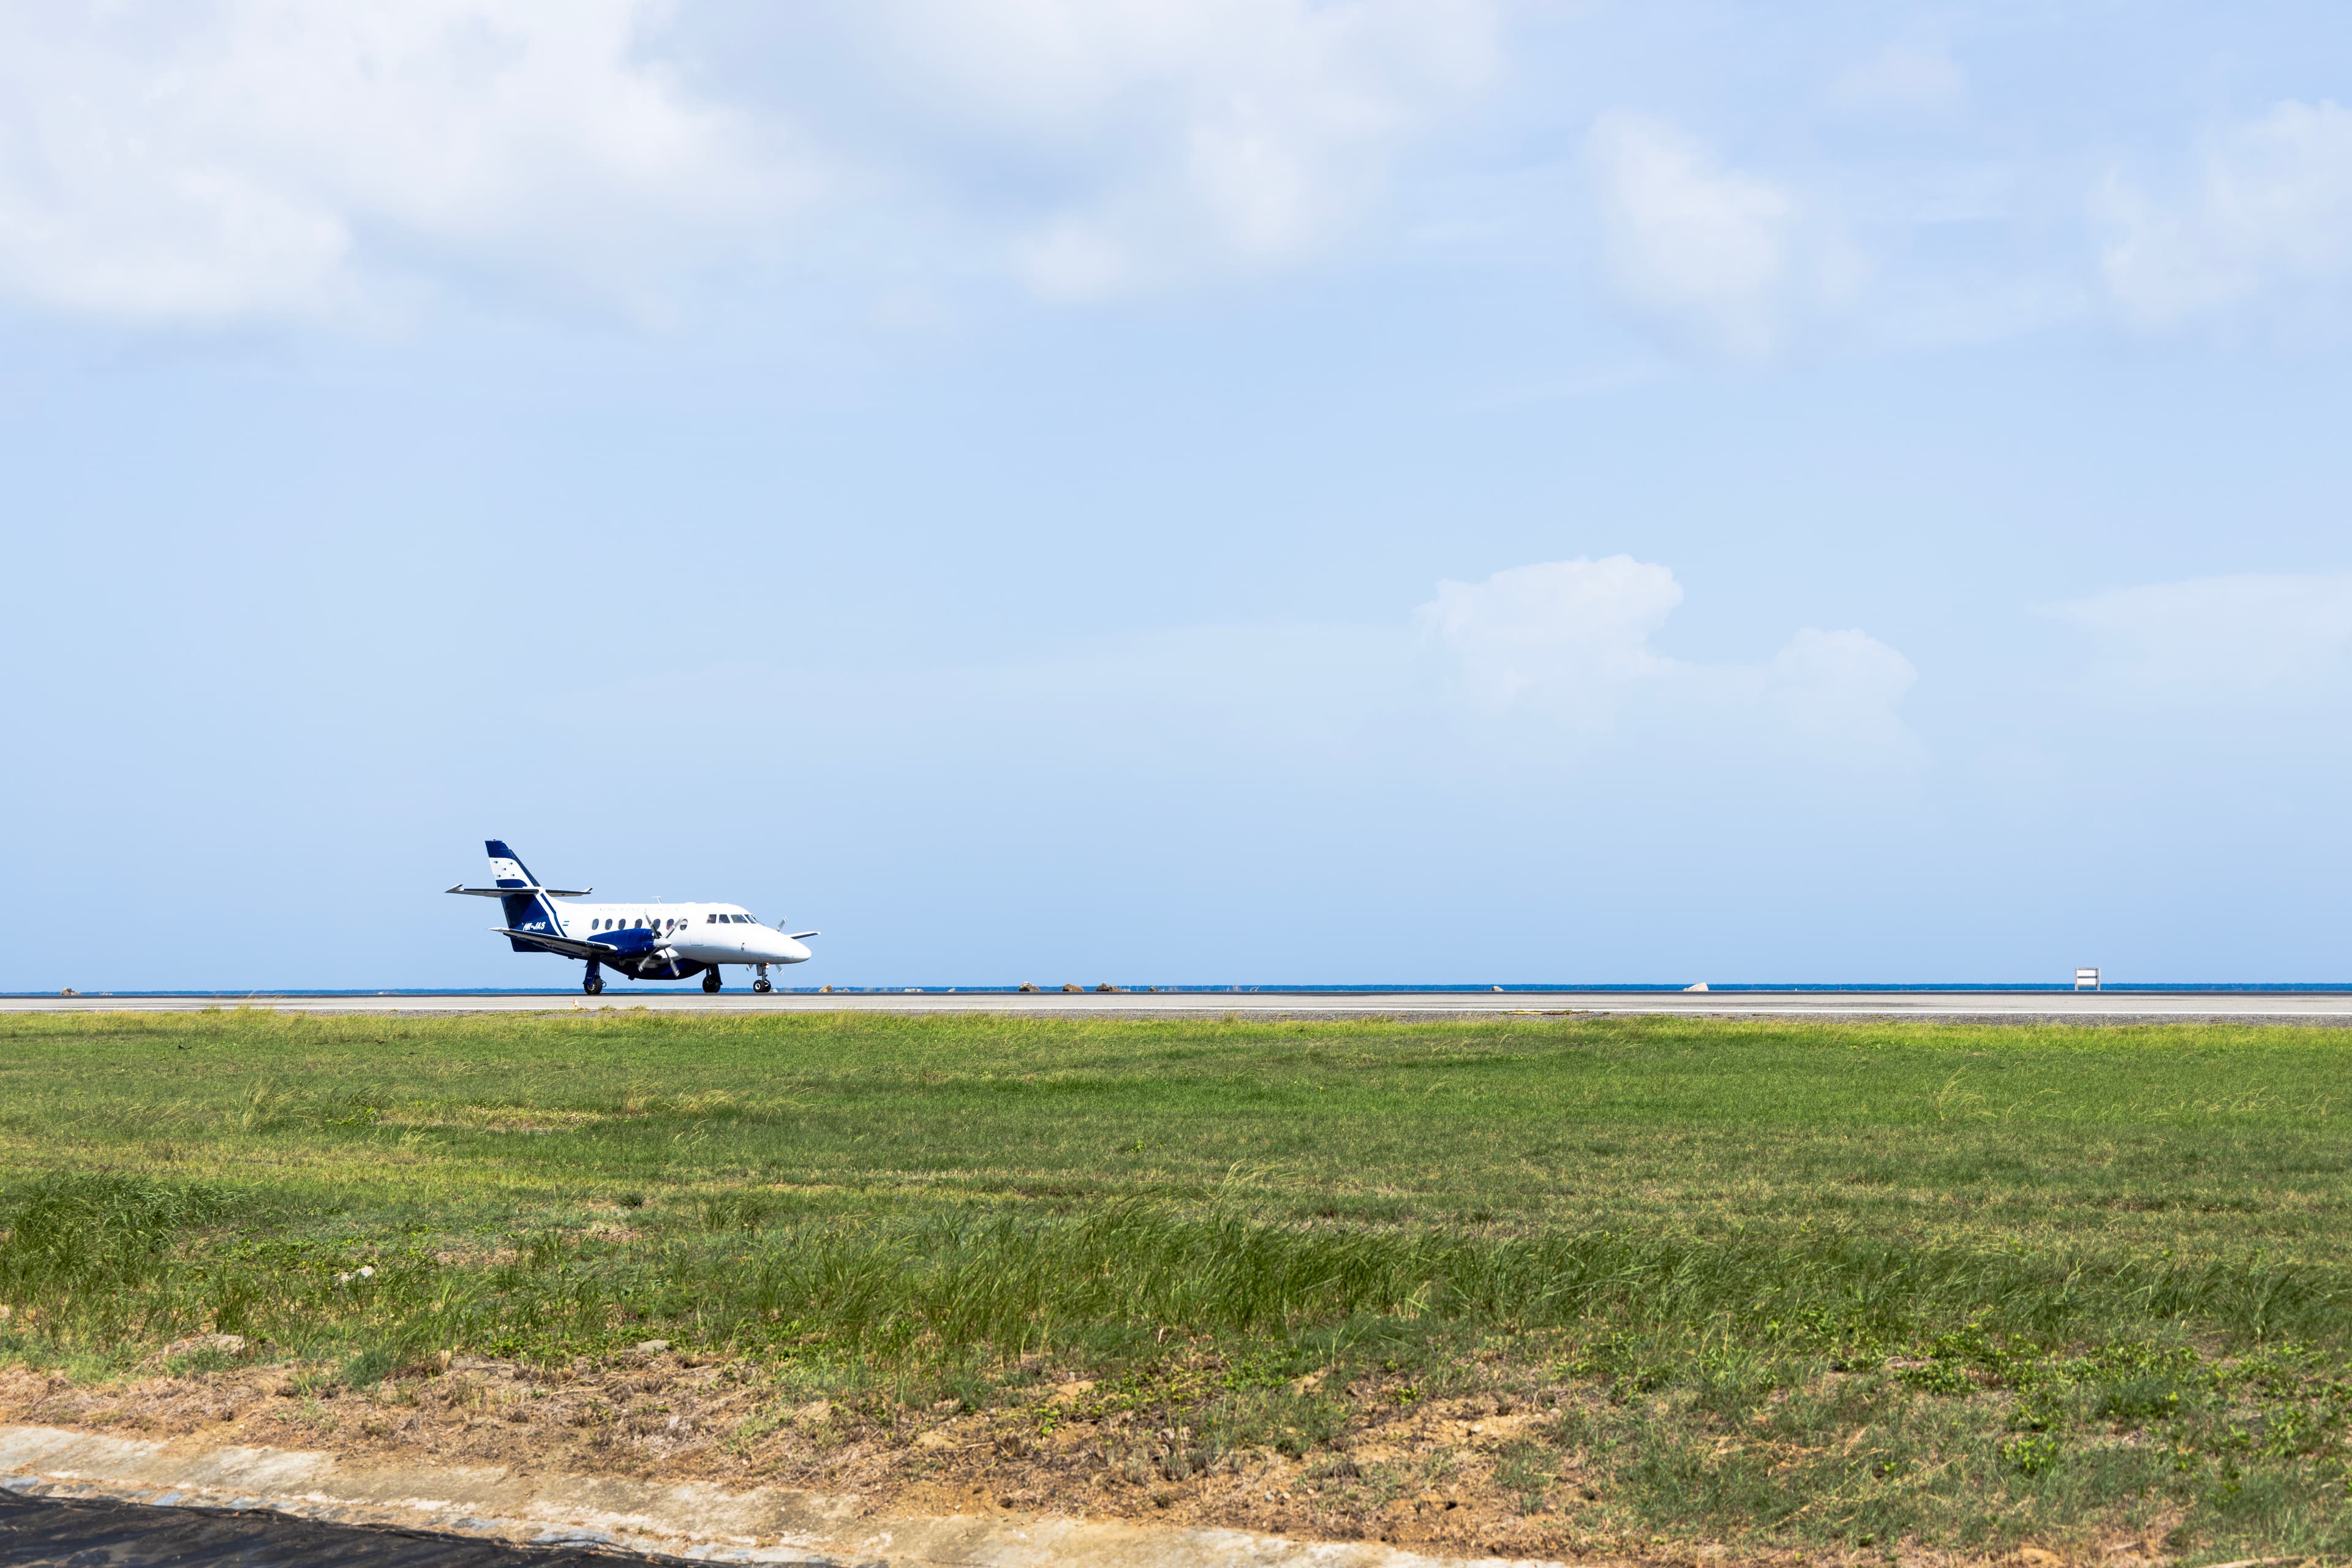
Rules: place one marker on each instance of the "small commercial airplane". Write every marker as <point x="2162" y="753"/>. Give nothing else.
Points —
<point x="641" y="941"/>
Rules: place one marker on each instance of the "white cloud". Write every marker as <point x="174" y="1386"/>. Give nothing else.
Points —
<point x="1903" y="79"/>
<point x="274" y="158"/>
<point x="1172" y="135"/>
<point x="1073" y="259"/>
<point x="259" y="157"/>
<point x="2218" y="638"/>
<point x="1835" y="684"/>
<point x="1718" y="254"/>
<point x="2270" y="213"/>
<point x="1569" y="641"/>
<point x="1568" y="636"/>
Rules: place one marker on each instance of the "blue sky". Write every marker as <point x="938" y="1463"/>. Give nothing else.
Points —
<point x="1180" y="492"/>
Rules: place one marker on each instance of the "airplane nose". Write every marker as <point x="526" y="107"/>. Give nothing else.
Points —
<point x="795" y="952"/>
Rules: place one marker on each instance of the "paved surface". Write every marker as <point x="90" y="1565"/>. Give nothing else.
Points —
<point x="95" y="1532"/>
<point x="2314" y="1005"/>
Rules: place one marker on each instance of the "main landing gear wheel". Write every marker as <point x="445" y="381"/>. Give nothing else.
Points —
<point x="762" y="986"/>
<point x="710" y="983"/>
<point x="593" y="985"/>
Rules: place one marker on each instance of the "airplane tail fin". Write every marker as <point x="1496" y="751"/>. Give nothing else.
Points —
<point x="519" y="895"/>
<point x="525" y="911"/>
<point x="505" y="869"/>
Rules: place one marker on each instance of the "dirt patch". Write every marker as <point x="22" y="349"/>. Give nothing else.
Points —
<point x="668" y="1417"/>
<point x="1447" y="1477"/>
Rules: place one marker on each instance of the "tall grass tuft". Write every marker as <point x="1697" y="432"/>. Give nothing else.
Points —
<point x="80" y="1230"/>
<point x="1011" y="1283"/>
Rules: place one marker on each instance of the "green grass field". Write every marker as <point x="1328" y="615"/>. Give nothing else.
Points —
<point x="1830" y="1286"/>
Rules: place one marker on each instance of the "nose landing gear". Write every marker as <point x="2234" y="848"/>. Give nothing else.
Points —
<point x="593" y="982"/>
<point x="761" y="984"/>
<point x="710" y="981"/>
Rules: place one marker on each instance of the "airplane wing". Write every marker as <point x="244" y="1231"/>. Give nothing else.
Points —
<point x="524" y="892"/>
<point x="565" y="945"/>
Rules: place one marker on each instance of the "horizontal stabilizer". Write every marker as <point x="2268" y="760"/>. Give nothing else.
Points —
<point x="803" y="935"/>
<point x="524" y="892"/>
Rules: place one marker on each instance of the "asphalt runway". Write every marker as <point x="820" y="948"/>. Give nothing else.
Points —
<point x="99" y="1533"/>
<point x="2317" y="1006"/>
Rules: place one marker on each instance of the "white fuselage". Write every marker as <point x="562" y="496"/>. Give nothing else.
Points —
<point x="700" y="933"/>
